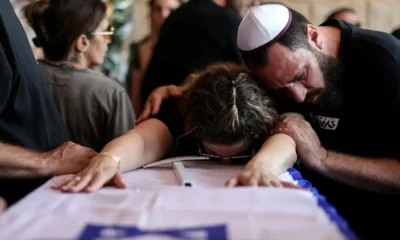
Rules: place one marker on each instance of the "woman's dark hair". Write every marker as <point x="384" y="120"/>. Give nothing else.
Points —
<point x="226" y="106"/>
<point x="58" y="23"/>
<point x="294" y="38"/>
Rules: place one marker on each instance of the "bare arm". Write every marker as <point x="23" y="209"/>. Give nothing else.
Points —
<point x="19" y="162"/>
<point x="276" y="155"/>
<point x="147" y="143"/>
<point x="379" y="175"/>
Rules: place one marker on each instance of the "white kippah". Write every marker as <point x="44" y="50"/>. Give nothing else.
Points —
<point x="263" y="24"/>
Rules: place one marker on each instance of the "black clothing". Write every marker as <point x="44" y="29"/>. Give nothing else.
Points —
<point x="28" y="115"/>
<point x="367" y="125"/>
<point x="194" y="36"/>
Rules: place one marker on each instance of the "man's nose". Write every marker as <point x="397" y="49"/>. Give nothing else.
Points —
<point x="297" y="92"/>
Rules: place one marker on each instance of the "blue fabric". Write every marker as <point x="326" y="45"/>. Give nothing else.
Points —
<point x="215" y="232"/>
<point x="323" y="203"/>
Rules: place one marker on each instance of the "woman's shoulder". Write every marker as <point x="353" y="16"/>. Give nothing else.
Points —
<point x="92" y="80"/>
<point x="98" y="80"/>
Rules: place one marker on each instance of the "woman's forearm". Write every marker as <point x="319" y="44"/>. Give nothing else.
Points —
<point x="147" y="143"/>
<point x="277" y="154"/>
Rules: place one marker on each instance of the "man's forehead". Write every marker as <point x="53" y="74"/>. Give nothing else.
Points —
<point x="283" y="65"/>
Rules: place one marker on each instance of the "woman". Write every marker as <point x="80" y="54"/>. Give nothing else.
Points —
<point x="141" y="52"/>
<point x="224" y="115"/>
<point x="74" y="36"/>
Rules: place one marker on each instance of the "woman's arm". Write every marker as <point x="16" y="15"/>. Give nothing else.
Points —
<point x="277" y="154"/>
<point x="147" y="143"/>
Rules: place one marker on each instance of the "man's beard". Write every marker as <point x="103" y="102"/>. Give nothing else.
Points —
<point x="330" y="98"/>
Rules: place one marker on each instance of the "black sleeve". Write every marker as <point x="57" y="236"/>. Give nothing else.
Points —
<point x="232" y="51"/>
<point x="134" y="63"/>
<point x="151" y="78"/>
<point x="5" y="79"/>
<point x="170" y="115"/>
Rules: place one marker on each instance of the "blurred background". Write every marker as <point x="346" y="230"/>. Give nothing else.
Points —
<point x="131" y="20"/>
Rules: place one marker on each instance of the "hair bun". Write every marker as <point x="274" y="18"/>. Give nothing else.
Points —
<point x="34" y="12"/>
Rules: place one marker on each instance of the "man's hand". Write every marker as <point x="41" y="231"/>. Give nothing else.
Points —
<point x="154" y="101"/>
<point x="308" y="145"/>
<point x="67" y="159"/>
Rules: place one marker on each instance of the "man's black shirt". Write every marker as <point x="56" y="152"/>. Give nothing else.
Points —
<point x="28" y="116"/>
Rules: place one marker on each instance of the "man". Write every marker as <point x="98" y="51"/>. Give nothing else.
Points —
<point x="196" y="35"/>
<point x="345" y="82"/>
<point x="346" y="14"/>
<point x="31" y="128"/>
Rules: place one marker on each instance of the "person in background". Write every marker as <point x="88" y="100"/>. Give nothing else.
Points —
<point x="198" y="34"/>
<point x="241" y="6"/>
<point x="33" y="137"/>
<point x="141" y="52"/>
<point x="74" y="35"/>
<point x="346" y="14"/>
<point x="224" y="116"/>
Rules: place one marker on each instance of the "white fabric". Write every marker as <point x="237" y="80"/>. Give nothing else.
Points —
<point x="153" y="201"/>
<point x="261" y="24"/>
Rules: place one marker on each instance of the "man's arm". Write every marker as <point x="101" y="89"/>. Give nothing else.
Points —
<point x="375" y="174"/>
<point x="379" y="175"/>
<point x="17" y="162"/>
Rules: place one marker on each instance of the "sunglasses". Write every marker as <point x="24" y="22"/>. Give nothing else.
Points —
<point x="108" y="32"/>
<point x="211" y="156"/>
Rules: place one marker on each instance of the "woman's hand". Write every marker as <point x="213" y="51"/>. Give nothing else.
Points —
<point x="101" y="170"/>
<point x="257" y="175"/>
<point x="256" y="178"/>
